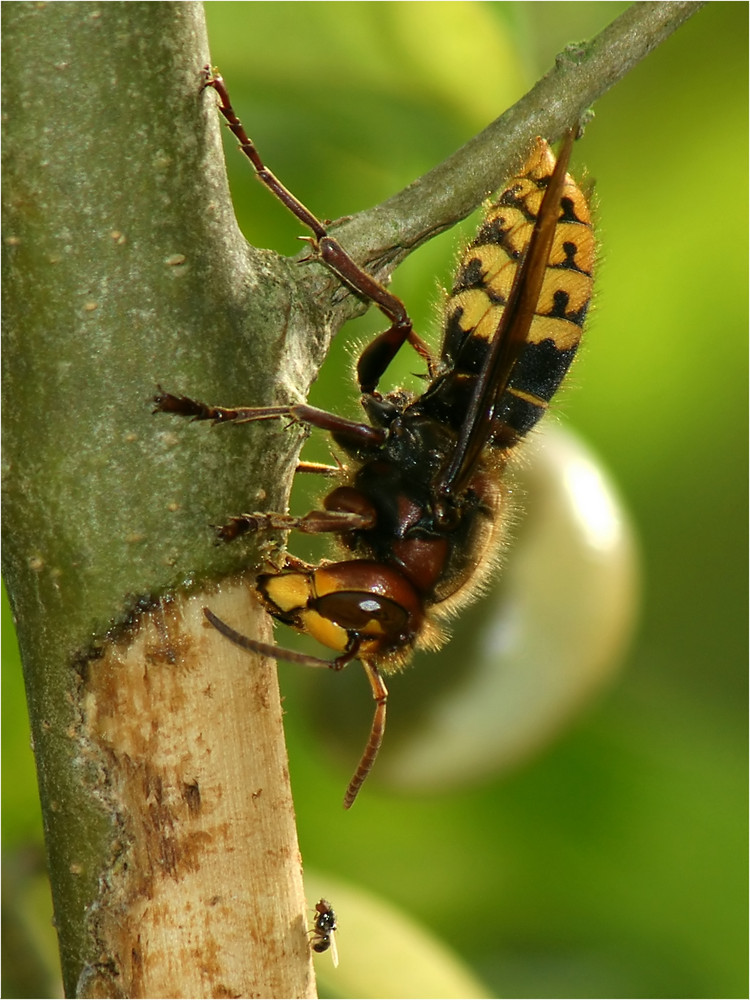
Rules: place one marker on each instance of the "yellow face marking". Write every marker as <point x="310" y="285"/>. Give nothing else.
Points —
<point x="288" y="591"/>
<point x="325" y="582"/>
<point x="324" y="630"/>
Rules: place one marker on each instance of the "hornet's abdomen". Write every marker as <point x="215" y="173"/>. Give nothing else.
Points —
<point x="481" y="290"/>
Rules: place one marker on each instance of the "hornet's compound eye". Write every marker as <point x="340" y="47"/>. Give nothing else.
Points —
<point x="369" y="615"/>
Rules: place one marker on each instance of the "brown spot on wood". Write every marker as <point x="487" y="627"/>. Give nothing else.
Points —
<point x="192" y="795"/>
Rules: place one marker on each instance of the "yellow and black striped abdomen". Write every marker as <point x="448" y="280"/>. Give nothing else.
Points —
<point x="483" y="283"/>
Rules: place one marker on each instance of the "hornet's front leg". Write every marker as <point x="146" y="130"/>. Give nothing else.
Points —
<point x="359" y="434"/>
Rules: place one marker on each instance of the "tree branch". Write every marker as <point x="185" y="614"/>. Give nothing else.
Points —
<point x="168" y="819"/>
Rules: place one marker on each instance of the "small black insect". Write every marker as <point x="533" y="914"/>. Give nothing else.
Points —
<point x="324" y="930"/>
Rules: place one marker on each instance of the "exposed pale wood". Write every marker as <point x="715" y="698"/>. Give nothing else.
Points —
<point x="205" y="896"/>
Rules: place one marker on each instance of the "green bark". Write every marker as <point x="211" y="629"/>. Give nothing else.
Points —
<point x="121" y="254"/>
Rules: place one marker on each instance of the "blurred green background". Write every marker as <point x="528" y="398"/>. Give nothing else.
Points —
<point x="615" y="863"/>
